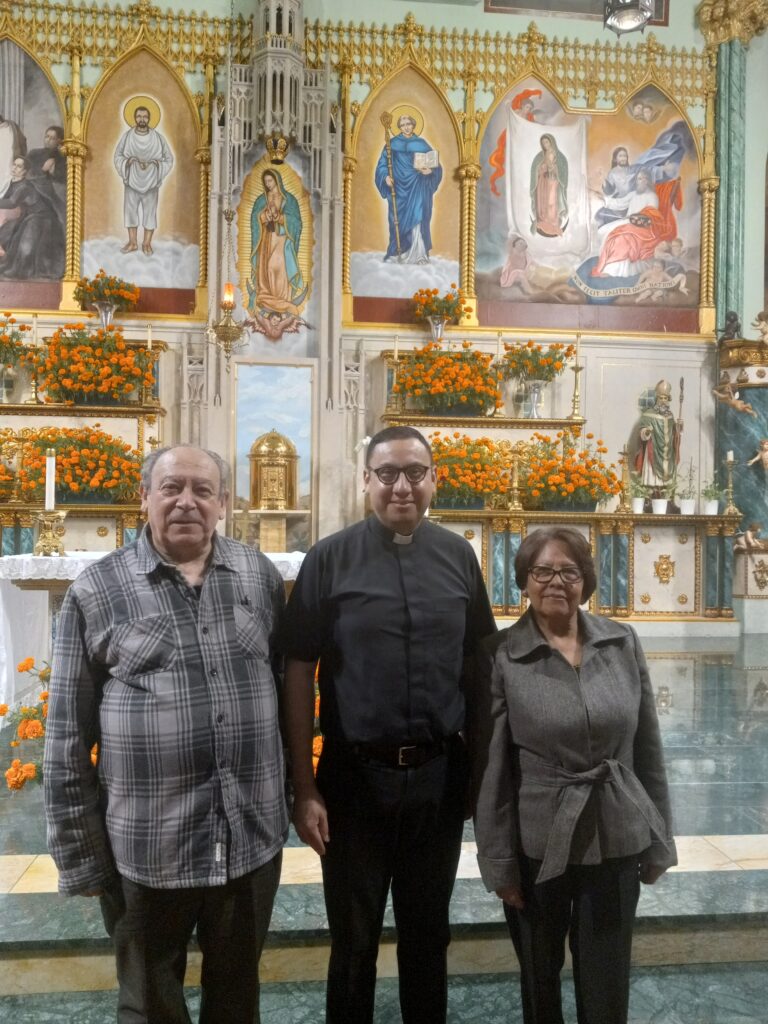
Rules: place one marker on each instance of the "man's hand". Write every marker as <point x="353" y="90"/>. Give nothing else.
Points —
<point x="310" y="819"/>
<point x="651" y="873"/>
<point x="512" y="895"/>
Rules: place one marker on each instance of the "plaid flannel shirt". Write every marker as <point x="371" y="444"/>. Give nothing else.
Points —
<point x="180" y="694"/>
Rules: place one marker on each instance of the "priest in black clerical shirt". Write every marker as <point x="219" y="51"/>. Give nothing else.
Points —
<point x="393" y="608"/>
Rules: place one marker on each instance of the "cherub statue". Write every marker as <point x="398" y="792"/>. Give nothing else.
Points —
<point x="761" y="324"/>
<point x="725" y="393"/>
<point x="732" y="328"/>
<point x="750" y="539"/>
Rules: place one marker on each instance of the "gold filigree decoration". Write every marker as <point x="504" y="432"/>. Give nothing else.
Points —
<point x="645" y="538"/>
<point x="721" y="21"/>
<point x="576" y="70"/>
<point x="102" y="531"/>
<point x="683" y="599"/>
<point x="682" y="538"/>
<point x="760" y="373"/>
<point x="645" y="598"/>
<point x="469" y="534"/>
<point x="664" y="568"/>
<point x="99" y="35"/>
<point x="760" y="574"/>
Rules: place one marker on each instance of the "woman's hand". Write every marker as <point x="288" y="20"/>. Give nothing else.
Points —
<point x="512" y="895"/>
<point x="651" y="873"/>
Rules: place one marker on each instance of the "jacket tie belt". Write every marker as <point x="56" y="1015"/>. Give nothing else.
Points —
<point x="577" y="788"/>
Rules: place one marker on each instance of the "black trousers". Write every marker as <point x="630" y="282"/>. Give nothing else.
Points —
<point x="595" y="906"/>
<point x="400" y="827"/>
<point x="151" y="929"/>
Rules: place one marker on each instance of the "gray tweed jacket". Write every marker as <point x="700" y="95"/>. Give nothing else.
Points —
<point x="569" y="766"/>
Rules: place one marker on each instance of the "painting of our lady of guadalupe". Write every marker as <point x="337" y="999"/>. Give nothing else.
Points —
<point x="276" y="238"/>
<point x="588" y="209"/>
<point x="33" y="172"/>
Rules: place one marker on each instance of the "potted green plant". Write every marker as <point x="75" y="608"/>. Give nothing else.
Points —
<point x="712" y="494"/>
<point x="639" y="493"/>
<point x="685" y="489"/>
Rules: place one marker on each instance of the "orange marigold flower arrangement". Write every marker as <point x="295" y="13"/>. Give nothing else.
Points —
<point x="429" y="302"/>
<point x="88" y="461"/>
<point x="7" y="480"/>
<point x="468" y="468"/>
<point x="441" y="381"/>
<point x="570" y="469"/>
<point x="27" y="727"/>
<point x="78" y="364"/>
<point x="531" y="361"/>
<point x="11" y="340"/>
<point x="106" y="288"/>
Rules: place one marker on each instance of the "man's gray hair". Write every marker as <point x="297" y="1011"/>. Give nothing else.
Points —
<point x="151" y="460"/>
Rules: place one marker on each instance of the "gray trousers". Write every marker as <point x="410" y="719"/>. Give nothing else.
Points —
<point x="151" y="929"/>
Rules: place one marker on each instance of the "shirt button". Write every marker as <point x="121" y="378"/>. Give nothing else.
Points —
<point x="205" y="629"/>
<point x="214" y="672"/>
<point x="220" y="718"/>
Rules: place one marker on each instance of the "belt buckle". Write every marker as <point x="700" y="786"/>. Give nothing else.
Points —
<point x="402" y="756"/>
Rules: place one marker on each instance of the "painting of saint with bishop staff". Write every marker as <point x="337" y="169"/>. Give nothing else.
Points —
<point x="407" y="175"/>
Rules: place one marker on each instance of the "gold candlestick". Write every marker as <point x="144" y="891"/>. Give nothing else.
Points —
<point x="624" y="504"/>
<point x="730" y="508"/>
<point x="47" y="541"/>
<point x="576" y="403"/>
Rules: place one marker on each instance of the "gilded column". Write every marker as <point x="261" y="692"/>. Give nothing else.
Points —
<point x="75" y="152"/>
<point x="346" y="67"/>
<point x="203" y="156"/>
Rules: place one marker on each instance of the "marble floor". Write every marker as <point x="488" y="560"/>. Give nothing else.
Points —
<point x="662" y="995"/>
<point x="702" y="934"/>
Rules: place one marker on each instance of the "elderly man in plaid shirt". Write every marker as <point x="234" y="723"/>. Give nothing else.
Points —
<point x="164" y="658"/>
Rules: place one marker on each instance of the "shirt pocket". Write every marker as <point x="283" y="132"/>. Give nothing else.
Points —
<point x="144" y="646"/>
<point x="252" y="628"/>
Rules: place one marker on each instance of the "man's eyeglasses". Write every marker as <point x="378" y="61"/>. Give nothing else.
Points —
<point x="389" y="475"/>
<point x="545" y="573"/>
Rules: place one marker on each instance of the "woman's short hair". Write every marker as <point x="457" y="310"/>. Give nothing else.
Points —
<point x="578" y="547"/>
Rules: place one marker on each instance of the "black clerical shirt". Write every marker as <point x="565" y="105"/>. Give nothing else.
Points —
<point x="391" y="623"/>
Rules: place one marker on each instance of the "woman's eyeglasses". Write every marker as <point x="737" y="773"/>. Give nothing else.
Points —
<point x="545" y="573"/>
<point x="389" y="475"/>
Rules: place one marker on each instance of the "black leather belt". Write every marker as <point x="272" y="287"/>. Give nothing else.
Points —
<point x="410" y="755"/>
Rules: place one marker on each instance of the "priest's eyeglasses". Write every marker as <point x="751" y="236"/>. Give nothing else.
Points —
<point x="389" y="475"/>
<point x="545" y="573"/>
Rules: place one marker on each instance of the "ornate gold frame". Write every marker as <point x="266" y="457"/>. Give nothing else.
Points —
<point x="589" y="78"/>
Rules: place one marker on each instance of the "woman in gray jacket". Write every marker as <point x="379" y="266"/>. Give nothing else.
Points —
<point x="572" y="810"/>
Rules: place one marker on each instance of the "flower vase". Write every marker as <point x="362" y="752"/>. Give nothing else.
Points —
<point x="514" y="394"/>
<point x="106" y="311"/>
<point x="687" y="506"/>
<point x="659" y="506"/>
<point x="638" y="506"/>
<point x="535" y="390"/>
<point x="711" y="506"/>
<point x="8" y="378"/>
<point x="437" y="328"/>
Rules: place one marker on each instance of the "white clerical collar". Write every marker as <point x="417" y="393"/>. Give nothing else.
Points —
<point x="402" y="538"/>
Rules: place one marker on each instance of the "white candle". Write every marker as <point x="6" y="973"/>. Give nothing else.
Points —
<point x="149" y="337"/>
<point x="397" y="344"/>
<point x="729" y="457"/>
<point x="578" y="346"/>
<point x="50" y="479"/>
<point x="34" y="329"/>
<point x="498" y="346"/>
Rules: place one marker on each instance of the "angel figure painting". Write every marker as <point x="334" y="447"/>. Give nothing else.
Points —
<point x="277" y="287"/>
